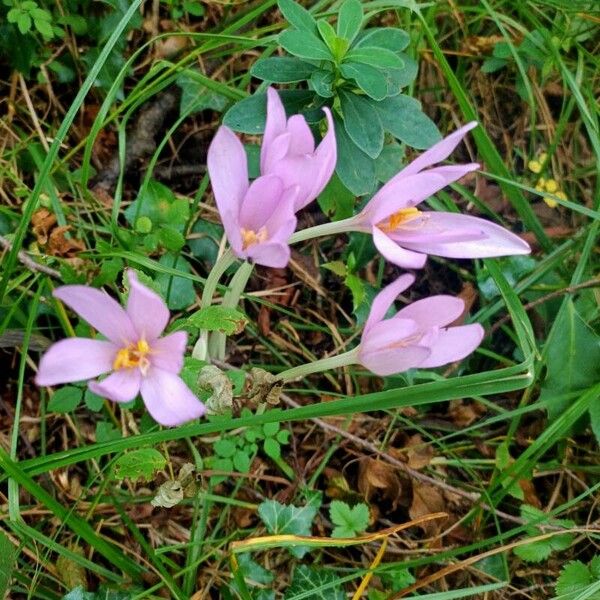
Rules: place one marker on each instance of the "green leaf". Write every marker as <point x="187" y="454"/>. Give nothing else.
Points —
<point x="304" y="45"/>
<point x="350" y="19"/>
<point x="225" y="448"/>
<point x="218" y="318"/>
<point x="249" y="115"/>
<point x="336" y="200"/>
<point x="371" y="81"/>
<point x="253" y="571"/>
<point x="390" y="38"/>
<point x="322" y="82"/>
<point x="376" y="57"/>
<point x="272" y="448"/>
<point x="8" y="556"/>
<point x="93" y="401"/>
<point x="282" y="69"/>
<point x="139" y="464"/>
<point x="158" y="203"/>
<point x="572" y="355"/>
<point x="297" y="16"/>
<point x="362" y="123"/>
<point x="357" y="288"/>
<point x="328" y="35"/>
<point x="349" y="522"/>
<point x="337" y="267"/>
<point x="355" y="169"/>
<point x="44" y="28"/>
<point x="65" y="399"/>
<point x="13" y="15"/>
<point x="193" y="8"/>
<point x="573" y="579"/>
<point x="196" y="97"/>
<point x="178" y="291"/>
<point x="403" y="118"/>
<point x="389" y="162"/>
<point x="280" y="519"/>
<point x="24" y="22"/>
<point x="322" y="583"/>
<point x="106" y="432"/>
<point x="399" y="78"/>
<point x="242" y="461"/>
<point x="204" y="243"/>
<point x="170" y="238"/>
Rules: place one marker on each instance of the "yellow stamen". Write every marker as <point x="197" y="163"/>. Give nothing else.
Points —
<point x="398" y="218"/>
<point x="251" y="237"/>
<point x="133" y="356"/>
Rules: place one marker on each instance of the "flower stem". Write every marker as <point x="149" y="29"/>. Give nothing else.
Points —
<point x="216" y="345"/>
<point x="325" y="364"/>
<point x="332" y="228"/>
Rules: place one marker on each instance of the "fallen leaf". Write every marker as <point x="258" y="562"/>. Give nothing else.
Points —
<point x="60" y="245"/>
<point x="419" y="453"/>
<point x="42" y="223"/>
<point x="374" y="475"/>
<point x="427" y="500"/>
<point x="463" y="414"/>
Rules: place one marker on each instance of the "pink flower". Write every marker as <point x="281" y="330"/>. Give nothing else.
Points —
<point x="138" y="359"/>
<point x="416" y="336"/>
<point x="259" y="217"/>
<point x="288" y="151"/>
<point x="405" y="235"/>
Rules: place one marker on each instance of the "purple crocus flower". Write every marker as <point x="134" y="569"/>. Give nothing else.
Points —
<point x="405" y="235"/>
<point x="259" y="217"/>
<point x="416" y="336"/>
<point x="288" y="151"/>
<point x="137" y="358"/>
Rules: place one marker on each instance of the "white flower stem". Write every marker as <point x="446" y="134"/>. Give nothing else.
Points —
<point x="332" y="228"/>
<point x="216" y="344"/>
<point x="325" y="364"/>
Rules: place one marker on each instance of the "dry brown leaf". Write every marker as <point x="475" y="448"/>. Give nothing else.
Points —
<point x="529" y="492"/>
<point x="427" y="500"/>
<point x="374" y="475"/>
<point x="463" y="414"/>
<point x="42" y="223"/>
<point x="60" y="245"/>
<point x="419" y="453"/>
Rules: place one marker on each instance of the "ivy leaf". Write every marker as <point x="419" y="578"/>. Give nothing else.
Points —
<point x="355" y="169"/>
<point x="65" y="399"/>
<point x="218" y="318"/>
<point x="362" y="123"/>
<point x="322" y="583"/>
<point x="349" y="522"/>
<point x="403" y="118"/>
<point x="304" y="45"/>
<point x="288" y="519"/>
<point x="139" y="464"/>
<point x="350" y="19"/>
<point x="336" y="200"/>
<point x="390" y="38"/>
<point x="282" y="69"/>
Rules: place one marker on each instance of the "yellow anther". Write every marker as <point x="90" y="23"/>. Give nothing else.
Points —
<point x="133" y="356"/>
<point x="398" y="218"/>
<point x="251" y="237"/>
<point x="534" y="166"/>
<point x="551" y="186"/>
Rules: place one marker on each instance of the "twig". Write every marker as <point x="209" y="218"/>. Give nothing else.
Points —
<point x="29" y="262"/>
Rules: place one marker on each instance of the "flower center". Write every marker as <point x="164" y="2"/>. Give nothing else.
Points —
<point x="133" y="357"/>
<point x="251" y="237"/>
<point x="398" y="218"/>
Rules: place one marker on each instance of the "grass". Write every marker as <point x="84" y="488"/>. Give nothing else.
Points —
<point x="68" y="518"/>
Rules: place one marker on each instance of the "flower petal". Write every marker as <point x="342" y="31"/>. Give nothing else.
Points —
<point x="399" y="193"/>
<point x="168" y="399"/>
<point x="434" y="311"/>
<point x="228" y="170"/>
<point x="397" y="254"/>
<point x="277" y="150"/>
<point x="453" y="344"/>
<point x="385" y="299"/>
<point x="146" y="309"/>
<point x="439" y="151"/>
<point x="260" y="202"/>
<point x="275" y="124"/>
<point x="75" y="359"/>
<point x="494" y="240"/>
<point x="270" y="254"/>
<point x="452" y="173"/>
<point x="389" y="334"/>
<point x="390" y="362"/>
<point x="167" y="352"/>
<point x="302" y="140"/>
<point x="101" y="311"/>
<point x="121" y="386"/>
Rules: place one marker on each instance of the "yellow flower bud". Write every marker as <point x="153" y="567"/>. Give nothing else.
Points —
<point x="551" y="186"/>
<point x="561" y="195"/>
<point x="551" y="202"/>
<point x="543" y="157"/>
<point x="534" y="166"/>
